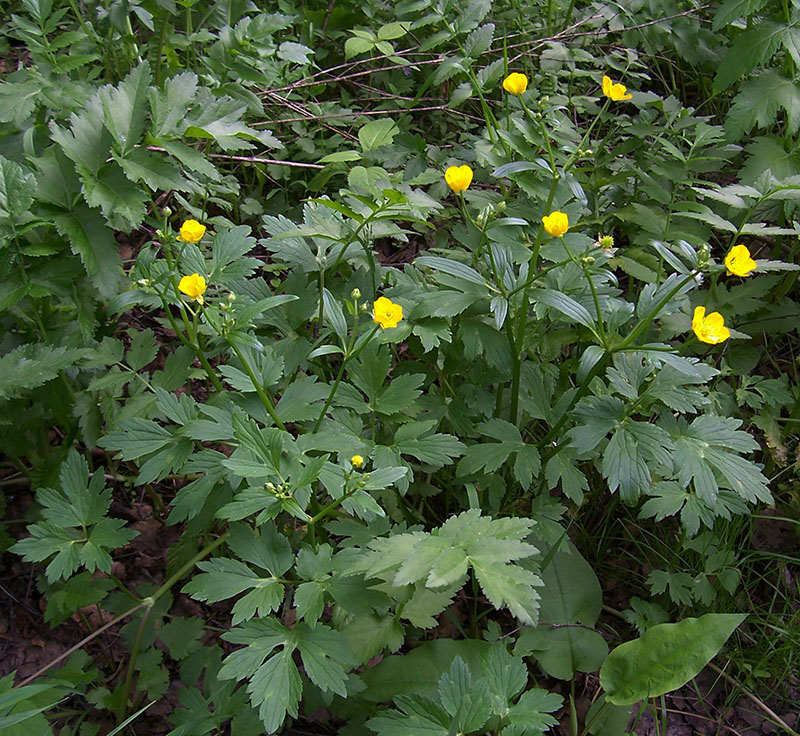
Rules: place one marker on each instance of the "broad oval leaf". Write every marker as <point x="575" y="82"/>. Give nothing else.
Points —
<point x="665" y="657"/>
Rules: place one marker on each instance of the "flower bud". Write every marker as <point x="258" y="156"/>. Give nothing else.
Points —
<point x="167" y="212"/>
<point x="356" y="293"/>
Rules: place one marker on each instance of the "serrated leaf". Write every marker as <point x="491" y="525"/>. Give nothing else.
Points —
<point x="32" y="365"/>
<point x="758" y="101"/>
<point x="17" y="189"/>
<point x="479" y="41"/>
<point x="749" y="49"/>
<point x="125" y="106"/>
<point x="94" y="242"/>
<point x="732" y="10"/>
<point x="296" y="53"/>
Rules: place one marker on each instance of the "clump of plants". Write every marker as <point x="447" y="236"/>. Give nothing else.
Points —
<point x="382" y="417"/>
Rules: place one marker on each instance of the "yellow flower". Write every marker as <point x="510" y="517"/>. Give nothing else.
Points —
<point x="458" y="178"/>
<point x="356" y="461"/>
<point x="556" y="223"/>
<point x="515" y="83"/>
<point x="613" y="91"/>
<point x="387" y="313"/>
<point x="709" y="328"/>
<point x="192" y="231"/>
<point x="739" y="262"/>
<point x="193" y="286"/>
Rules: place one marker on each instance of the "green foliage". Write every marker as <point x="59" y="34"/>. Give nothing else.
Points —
<point x="666" y="657"/>
<point x="75" y="527"/>
<point x="465" y="705"/>
<point x="441" y="559"/>
<point x="356" y="509"/>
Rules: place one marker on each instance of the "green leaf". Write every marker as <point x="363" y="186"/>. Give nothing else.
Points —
<point x="399" y="394"/>
<point x="155" y="172"/>
<point x="182" y="635"/>
<point x="418" y="671"/>
<point x="125" y="107"/>
<point x="369" y="635"/>
<point x="732" y="10"/>
<point x="758" y="101"/>
<point x="391" y="31"/>
<point x="355" y="46"/>
<point x="442" y="558"/>
<point x="297" y="53"/>
<point x="454" y="268"/>
<point x="335" y="316"/>
<point x="17" y="189"/>
<point x="665" y="657"/>
<point x="94" y="242"/>
<point x="325" y="657"/>
<point x="561" y="468"/>
<point x="275" y="689"/>
<point x="571" y="592"/>
<point x="299" y="401"/>
<point x="561" y="652"/>
<point x="377" y="133"/>
<point x="529" y="717"/>
<point x="123" y="203"/>
<point x="437" y="450"/>
<point x="169" y="104"/>
<point x="467" y="703"/>
<point x="628" y="456"/>
<point x="75" y="528"/>
<point x="419" y="717"/>
<point x="564" y="304"/>
<point x="87" y="142"/>
<point x="33" y="365"/>
<point x="479" y="41"/>
<point x="505" y="675"/>
<point x="18" y="100"/>
<point x="136" y="437"/>
<point x="751" y="48"/>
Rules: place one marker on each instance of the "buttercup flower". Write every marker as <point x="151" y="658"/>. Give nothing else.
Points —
<point x="458" y="178"/>
<point x="387" y="313"/>
<point x="709" y="328"/>
<point x="556" y="223"/>
<point x="192" y="231"/>
<point x="194" y="286"/>
<point x="739" y="262"/>
<point x="356" y="461"/>
<point x="613" y="91"/>
<point x="515" y="83"/>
